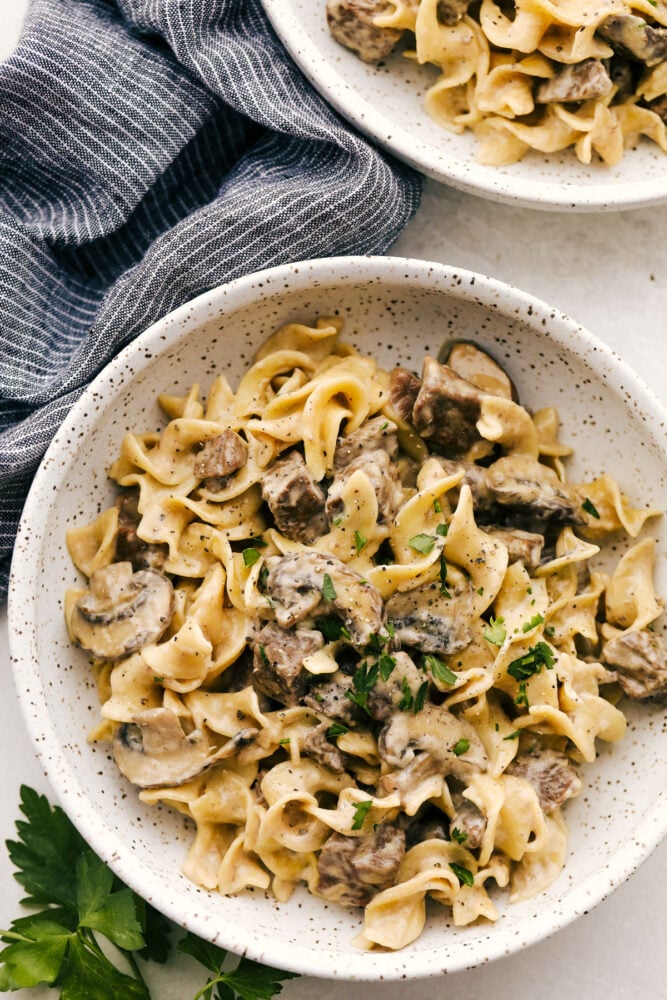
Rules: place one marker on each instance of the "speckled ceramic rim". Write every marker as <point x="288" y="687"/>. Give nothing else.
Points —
<point x="458" y="284"/>
<point x="471" y="177"/>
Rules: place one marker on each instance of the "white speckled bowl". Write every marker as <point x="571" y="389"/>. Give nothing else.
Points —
<point x="386" y="103"/>
<point x="396" y="309"/>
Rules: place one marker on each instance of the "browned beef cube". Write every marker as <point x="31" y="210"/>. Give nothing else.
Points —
<point x="323" y="750"/>
<point x="584" y="81"/>
<point x="447" y="408"/>
<point x="403" y="391"/>
<point x="221" y="455"/>
<point x="294" y="499"/>
<point x="352" y="869"/>
<point x="351" y="24"/>
<point x="278" y="670"/>
<point x="129" y="547"/>
<point x="451" y="11"/>
<point x="553" y="776"/>
<point x="640" y="661"/>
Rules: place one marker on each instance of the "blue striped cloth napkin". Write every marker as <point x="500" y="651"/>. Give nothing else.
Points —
<point x="149" y="150"/>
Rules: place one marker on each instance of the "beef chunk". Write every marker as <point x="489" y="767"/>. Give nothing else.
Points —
<point x="428" y="824"/>
<point x="659" y="106"/>
<point x="329" y="698"/>
<point x="431" y="621"/>
<point x="294" y="499"/>
<point x="527" y="487"/>
<point x="278" y="670"/>
<point x="522" y="546"/>
<point x="352" y="869"/>
<point x="373" y="435"/>
<point x="325" y="752"/>
<point x="640" y="661"/>
<point x="403" y="391"/>
<point x="384" y="477"/>
<point x="447" y="408"/>
<point x="584" y="81"/>
<point x="220" y="457"/>
<point x="129" y="547"/>
<point x="632" y="36"/>
<point x="468" y="824"/>
<point x="351" y="24"/>
<point x="553" y="776"/>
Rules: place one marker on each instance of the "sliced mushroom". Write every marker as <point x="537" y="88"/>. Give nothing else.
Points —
<point x="153" y="750"/>
<point x="584" y="81"/>
<point x="479" y="368"/>
<point x="306" y="584"/>
<point x="351" y="23"/>
<point x="122" y="611"/>
<point x="522" y="546"/>
<point x="432" y="621"/>
<point x="634" y="37"/>
<point x="434" y="732"/>
<point x="526" y="486"/>
<point x="640" y="661"/>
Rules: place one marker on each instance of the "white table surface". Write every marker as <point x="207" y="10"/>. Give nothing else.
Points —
<point x="609" y="271"/>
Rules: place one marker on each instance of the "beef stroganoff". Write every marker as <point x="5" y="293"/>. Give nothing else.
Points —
<point x="349" y="622"/>
<point x="525" y="75"/>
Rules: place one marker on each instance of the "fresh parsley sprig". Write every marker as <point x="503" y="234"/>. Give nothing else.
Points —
<point x="84" y="914"/>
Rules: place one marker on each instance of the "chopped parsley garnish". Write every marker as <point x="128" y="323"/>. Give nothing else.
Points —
<point x="420" y="697"/>
<point x="538" y="656"/>
<point x="328" y="589"/>
<point x="549" y="631"/>
<point x="533" y="623"/>
<point x="442" y="530"/>
<point x="336" y="729"/>
<point x="461" y="746"/>
<point x="588" y="504"/>
<point x="263" y="657"/>
<point x="285" y="741"/>
<point x="363" y="681"/>
<point x="513" y="736"/>
<point x="522" y="696"/>
<point x="443" y="577"/>
<point x="384" y="426"/>
<point x="332" y="627"/>
<point x="439" y="670"/>
<point x="386" y="664"/>
<point x="338" y="520"/>
<point x="263" y="576"/>
<point x="422" y="543"/>
<point x="361" y="811"/>
<point x="437" y="507"/>
<point x="458" y="835"/>
<point x="495" y="632"/>
<point x="464" y="876"/>
<point x="359" y="541"/>
<point x="406" y="702"/>
<point x="251" y="556"/>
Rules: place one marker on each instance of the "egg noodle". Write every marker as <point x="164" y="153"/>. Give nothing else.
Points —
<point x="525" y="75"/>
<point x="395" y="708"/>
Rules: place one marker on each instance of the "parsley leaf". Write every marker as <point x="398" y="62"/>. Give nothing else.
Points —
<point x="332" y="627"/>
<point x="363" y="681"/>
<point x="439" y="670"/>
<point x="361" y="811"/>
<point x="336" y="729"/>
<point x="495" y="632"/>
<point x="328" y="589"/>
<point x="248" y="980"/>
<point x="538" y="656"/>
<point x="359" y="541"/>
<point x="536" y="620"/>
<point x="422" y="543"/>
<point x="251" y="556"/>
<point x="464" y="876"/>
<point x="443" y="577"/>
<point x="420" y="697"/>
<point x="588" y="505"/>
<point x="458" y="835"/>
<point x="461" y="746"/>
<point x="386" y="665"/>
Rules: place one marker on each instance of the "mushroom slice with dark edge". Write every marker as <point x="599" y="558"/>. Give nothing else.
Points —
<point x="305" y="584"/>
<point x="153" y="750"/>
<point x="522" y="546"/>
<point x="447" y="408"/>
<point x="479" y="368"/>
<point x="432" y="621"/>
<point x="640" y="661"/>
<point x="351" y="24"/>
<point x="527" y="486"/>
<point x="584" y="81"/>
<point x="633" y="36"/>
<point x="552" y="774"/>
<point x="352" y="869"/>
<point x="122" y="611"/>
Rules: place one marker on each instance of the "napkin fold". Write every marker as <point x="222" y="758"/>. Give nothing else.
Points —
<point x="148" y="152"/>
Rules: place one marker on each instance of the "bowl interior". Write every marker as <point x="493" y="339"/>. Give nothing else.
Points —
<point x="386" y="102"/>
<point x="396" y="310"/>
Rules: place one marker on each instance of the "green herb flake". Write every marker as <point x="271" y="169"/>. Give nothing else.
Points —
<point x="420" y="697"/>
<point x="495" y="632"/>
<point x="406" y="702"/>
<point x="458" y="836"/>
<point x="422" y="543"/>
<point x="533" y="623"/>
<point x="437" y="507"/>
<point x="588" y="504"/>
<point x="442" y="530"/>
<point x="328" y="589"/>
<point x="361" y="811"/>
<point x="262" y="655"/>
<point x="386" y="664"/>
<point x="359" y="541"/>
<point x="444" y="590"/>
<point x="464" y="876"/>
<point x="338" y="520"/>
<point x="439" y="670"/>
<point x="336" y="729"/>
<point x="384" y="426"/>
<point x="332" y="627"/>
<point x="538" y="656"/>
<point x="513" y="736"/>
<point x="251" y="556"/>
<point x="363" y="681"/>
<point x="549" y="631"/>
<point x="285" y="741"/>
<point x="461" y="746"/>
<point x="522" y="696"/>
